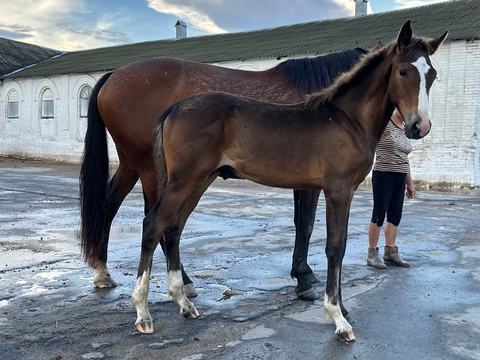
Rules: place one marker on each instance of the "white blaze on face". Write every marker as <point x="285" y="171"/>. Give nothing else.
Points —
<point x="423" y="67"/>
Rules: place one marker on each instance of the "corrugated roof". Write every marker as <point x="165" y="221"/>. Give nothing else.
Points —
<point x="461" y="18"/>
<point x="16" y="55"/>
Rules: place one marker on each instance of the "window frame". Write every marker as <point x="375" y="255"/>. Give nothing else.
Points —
<point x="44" y="103"/>
<point x="8" y="110"/>
<point x="84" y="100"/>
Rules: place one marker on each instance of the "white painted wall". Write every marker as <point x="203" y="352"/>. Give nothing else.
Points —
<point x="451" y="153"/>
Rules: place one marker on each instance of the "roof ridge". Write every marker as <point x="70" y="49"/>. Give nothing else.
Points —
<point x="262" y="30"/>
<point x="460" y="17"/>
<point x="22" y="43"/>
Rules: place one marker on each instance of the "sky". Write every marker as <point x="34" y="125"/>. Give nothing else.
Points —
<point x="84" y="24"/>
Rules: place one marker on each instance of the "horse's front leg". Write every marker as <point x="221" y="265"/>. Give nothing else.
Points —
<point x="305" y="210"/>
<point x="338" y="208"/>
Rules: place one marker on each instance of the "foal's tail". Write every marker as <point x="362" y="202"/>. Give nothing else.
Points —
<point x="160" y="163"/>
<point x="94" y="177"/>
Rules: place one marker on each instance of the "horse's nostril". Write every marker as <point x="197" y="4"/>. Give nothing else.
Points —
<point x="416" y="129"/>
<point x="413" y="131"/>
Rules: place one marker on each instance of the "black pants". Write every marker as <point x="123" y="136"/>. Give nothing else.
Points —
<point x="388" y="195"/>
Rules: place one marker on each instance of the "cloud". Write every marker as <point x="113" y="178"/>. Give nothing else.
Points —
<point x="347" y="5"/>
<point x="50" y="23"/>
<point x="215" y="16"/>
<point x="187" y="12"/>
<point x="401" y="4"/>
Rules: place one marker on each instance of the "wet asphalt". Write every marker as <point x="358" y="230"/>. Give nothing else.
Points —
<point x="239" y="240"/>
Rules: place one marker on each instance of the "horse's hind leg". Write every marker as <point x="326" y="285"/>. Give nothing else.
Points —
<point x="147" y="181"/>
<point x="188" y="286"/>
<point x="338" y="207"/>
<point x="120" y="185"/>
<point x="165" y="221"/>
<point x="144" y="322"/>
<point x="305" y="210"/>
<point x="181" y="199"/>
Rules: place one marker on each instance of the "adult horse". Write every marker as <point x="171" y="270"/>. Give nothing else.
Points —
<point x="127" y="102"/>
<point x="325" y="143"/>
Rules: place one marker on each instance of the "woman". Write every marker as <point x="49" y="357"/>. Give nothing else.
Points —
<point x="390" y="173"/>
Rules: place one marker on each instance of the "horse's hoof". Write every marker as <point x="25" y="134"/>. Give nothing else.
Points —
<point x="346" y="336"/>
<point x="309" y="295"/>
<point x="144" y="326"/>
<point x="189" y="311"/>
<point x="190" y="291"/>
<point x="312" y="278"/>
<point x="104" y="282"/>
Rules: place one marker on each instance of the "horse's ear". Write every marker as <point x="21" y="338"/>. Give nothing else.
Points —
<point x="404" y="36"/>
<point x="435" y="43"/>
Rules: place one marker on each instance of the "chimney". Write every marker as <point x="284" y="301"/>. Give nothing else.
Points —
<point x="181" y="27"/>
<point x="361" y="7"/>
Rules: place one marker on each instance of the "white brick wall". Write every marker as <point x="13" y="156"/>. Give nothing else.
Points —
<point x="451" y="153"/>
<point x="60" y="138"/>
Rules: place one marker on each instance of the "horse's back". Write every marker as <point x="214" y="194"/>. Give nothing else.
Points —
<point x="261" y="141"/>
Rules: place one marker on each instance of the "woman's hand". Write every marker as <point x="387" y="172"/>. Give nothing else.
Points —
<point x="411" y="192"/>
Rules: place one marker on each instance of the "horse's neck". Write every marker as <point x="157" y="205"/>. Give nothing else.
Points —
<point x="368" y="103"/>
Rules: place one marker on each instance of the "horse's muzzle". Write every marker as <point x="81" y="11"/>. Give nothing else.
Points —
<point x="416" y="129"/>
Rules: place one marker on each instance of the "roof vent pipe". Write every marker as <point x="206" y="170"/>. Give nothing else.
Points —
<point x="361" y="7"/>
<point x="181" y="28"/>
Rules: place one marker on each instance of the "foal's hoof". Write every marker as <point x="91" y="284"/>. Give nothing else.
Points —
<point x="309" y="295"/>
<point x="190" y="291"/>
<point x="346" y="336"/>
<point x="144" y="326"/>
<point x="312" y="278"/>
<point x="189" y="311"/>
<point x="104" y="282"/>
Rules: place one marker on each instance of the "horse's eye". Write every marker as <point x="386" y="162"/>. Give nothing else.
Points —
<point x="403" y="72"/>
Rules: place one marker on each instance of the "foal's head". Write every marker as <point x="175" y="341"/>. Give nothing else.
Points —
<point x="411" y="78"/>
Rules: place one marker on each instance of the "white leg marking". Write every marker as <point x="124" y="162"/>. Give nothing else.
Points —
<point x="144" y="321"/>
<point x="343" y="328"/>
<point x="423" y="111"/>
<point x="176" y="291"/>
<point x="102" y="278"/>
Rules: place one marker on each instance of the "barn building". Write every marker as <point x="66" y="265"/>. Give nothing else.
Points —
<point x="43" y="107"/>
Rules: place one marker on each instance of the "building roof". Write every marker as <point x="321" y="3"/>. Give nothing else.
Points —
<point x="16" y="55"/>
<point x="460" y="17"/>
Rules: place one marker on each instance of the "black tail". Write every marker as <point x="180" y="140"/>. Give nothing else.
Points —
<point x="94" y="176"/>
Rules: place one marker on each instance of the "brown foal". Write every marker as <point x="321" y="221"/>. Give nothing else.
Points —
<point x="325" y="143"/>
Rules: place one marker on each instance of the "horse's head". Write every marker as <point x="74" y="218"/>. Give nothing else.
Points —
<point x="411" y="78"/>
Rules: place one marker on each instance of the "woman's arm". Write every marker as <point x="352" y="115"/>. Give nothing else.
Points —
<point x="411" y="192"/>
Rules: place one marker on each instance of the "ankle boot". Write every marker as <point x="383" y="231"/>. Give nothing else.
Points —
<point x="374" y="259"/>
<point x="391" y="256"/>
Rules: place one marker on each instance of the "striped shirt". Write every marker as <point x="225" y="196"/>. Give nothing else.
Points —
<point x="392" y="150"/>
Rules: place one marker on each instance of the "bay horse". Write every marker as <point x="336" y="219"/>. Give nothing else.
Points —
<point x="327" y="143"/>
<point x="127" y="103"/>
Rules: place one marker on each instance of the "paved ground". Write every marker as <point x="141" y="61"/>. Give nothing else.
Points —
<point x="240" y="238"/>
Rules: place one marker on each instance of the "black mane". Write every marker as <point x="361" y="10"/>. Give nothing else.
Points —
<point x="313" y="74"/>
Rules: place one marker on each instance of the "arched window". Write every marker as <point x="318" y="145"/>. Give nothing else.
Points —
<point x="47" y="104"/>
<point x="13" y="105"/>
<point x="85" y="94"/>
